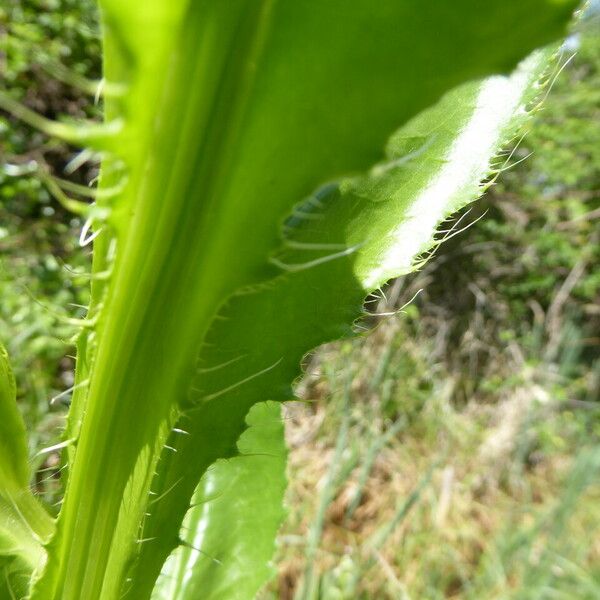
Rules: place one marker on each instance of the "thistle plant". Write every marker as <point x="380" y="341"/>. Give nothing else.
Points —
<point x="266" y="165"/>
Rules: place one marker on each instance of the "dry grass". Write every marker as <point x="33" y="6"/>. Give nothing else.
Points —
<point x="505" y="492"/>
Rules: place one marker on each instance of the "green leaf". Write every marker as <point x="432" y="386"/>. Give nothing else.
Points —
<point x="236" y="112"/>
<point x="228" y="534"/>
<point x="14" y="466"/>
<point x="255" y="346"/>
<point x="24" y="524"/>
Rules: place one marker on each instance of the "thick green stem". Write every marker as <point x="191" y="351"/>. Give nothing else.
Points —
<point x="165" y="286"/>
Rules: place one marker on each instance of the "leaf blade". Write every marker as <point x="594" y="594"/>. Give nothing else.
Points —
<point x="14" y="466"/>
<point x="24" y="523"/>
<point x="229" y="533"/>
<point x="262" y="333"/>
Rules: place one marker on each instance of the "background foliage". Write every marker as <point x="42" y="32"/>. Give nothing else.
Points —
<point x="455" y="449"/>
<point x="38" y="239"/>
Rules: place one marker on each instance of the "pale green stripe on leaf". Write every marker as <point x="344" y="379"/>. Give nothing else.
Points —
<point x="492" y="113"/>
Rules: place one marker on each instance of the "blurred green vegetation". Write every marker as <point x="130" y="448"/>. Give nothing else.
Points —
<point x="42" y="43"/>
<point x="454" y="450"/>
